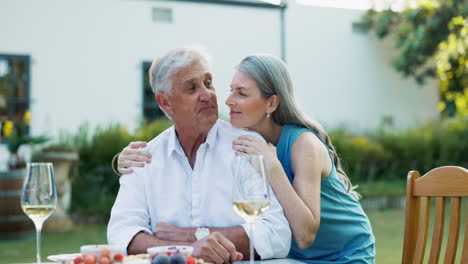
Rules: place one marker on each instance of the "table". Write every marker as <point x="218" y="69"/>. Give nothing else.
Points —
<point x="272" y="261"/>
<point x="268" y="261"/>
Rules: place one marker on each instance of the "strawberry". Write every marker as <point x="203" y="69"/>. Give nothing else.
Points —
<point x="118" y="257"/>
<point x="78" y="260"/>
<point x="105" y="252"/>
<point x="190" y="260"/>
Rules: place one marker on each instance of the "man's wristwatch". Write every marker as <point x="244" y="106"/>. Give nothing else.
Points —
<point x="201" y="233"/>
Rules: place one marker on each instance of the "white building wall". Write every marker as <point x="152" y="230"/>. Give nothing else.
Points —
<point x="344" y="78"/>
<point x="87" y="55"/>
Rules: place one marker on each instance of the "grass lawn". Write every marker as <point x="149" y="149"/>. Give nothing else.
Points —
<point x="52" y="243"/>
<point x="388" y="228"/>
<point x="389" y="225"/>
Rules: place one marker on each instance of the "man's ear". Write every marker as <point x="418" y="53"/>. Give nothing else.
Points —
<point x="273" y="103"/>
<point x="164" y="102"/>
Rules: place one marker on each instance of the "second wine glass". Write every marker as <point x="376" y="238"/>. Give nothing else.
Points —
<point x="251" y="193"/>
<point x="39" y="197"/>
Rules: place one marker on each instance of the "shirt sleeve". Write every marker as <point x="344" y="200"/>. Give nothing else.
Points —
<point x="271" y="234"/>
<point x="129" y="214"/>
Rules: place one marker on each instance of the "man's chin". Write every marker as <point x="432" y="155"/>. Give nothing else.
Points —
<point x="209" y="118"/>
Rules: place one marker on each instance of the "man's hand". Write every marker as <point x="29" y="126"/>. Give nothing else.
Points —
<point x="165" y="231"/>
<point x="217" y="249"/>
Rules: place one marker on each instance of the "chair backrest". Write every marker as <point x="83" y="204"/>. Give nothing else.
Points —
<point x="441" y="184"/>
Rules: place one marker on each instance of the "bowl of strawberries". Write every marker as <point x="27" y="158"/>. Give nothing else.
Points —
<point x="102" y="254"/>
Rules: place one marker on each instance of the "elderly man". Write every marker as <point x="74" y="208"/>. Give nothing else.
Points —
<point x="185" y="197"/>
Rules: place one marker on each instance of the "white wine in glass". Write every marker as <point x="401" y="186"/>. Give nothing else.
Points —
<point x="250" y="193"/>
<point x="250" y="209"/>
<point x="39" y="197"/>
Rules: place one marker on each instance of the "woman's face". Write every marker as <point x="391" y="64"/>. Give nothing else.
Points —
<point x="247" y="106"/>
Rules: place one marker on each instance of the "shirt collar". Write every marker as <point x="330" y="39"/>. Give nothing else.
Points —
<point x="174" y="144"/>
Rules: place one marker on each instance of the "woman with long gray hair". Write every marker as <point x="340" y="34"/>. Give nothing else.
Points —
<point x="321" y="205"/>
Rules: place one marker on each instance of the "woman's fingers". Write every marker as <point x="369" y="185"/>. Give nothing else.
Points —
<point x="129" y="151"/>
<point x="129" y="163"/>
<point x="250" y="138"/>
<point x="125" y="170"/>
<point x="241" y="142"/>
<point x="248" y="146"/>
<point x="248" y="149"/>
<point x="134" y="155"/>
<point x="138" y="159"/>
<point x="137" y="144"/>
<point x="140" y="156"/>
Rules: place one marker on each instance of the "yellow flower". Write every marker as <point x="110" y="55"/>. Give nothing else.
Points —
<point x="7" y="128"/>
<point x="441" y="106"/>
<point x="27" y="117"/>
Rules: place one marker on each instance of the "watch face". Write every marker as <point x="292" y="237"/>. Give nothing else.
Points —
<point x="202" y="232"/>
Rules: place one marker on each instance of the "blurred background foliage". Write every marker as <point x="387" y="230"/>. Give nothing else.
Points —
<point x="95" y="185"/>
<point x="378" y="161"/>
<point x="432" y="42"/>
<point x="388" y="155"/>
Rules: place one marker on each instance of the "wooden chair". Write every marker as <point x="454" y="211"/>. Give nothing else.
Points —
<point x="443" y="183"/>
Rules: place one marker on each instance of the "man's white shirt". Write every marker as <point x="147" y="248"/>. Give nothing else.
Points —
<point x="169" y="190"/>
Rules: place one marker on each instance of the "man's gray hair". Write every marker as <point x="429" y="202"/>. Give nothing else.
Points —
<point x="170" y="63"/>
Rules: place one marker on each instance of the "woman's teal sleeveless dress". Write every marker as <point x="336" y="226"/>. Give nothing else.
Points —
<point x="345" y="234"/>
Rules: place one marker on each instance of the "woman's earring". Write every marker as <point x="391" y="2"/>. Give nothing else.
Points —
<point x="268" y="115"/>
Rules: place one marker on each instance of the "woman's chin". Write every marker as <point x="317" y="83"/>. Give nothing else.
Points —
<point x="236" y="123"/>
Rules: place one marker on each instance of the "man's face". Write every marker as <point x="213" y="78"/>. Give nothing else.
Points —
<point x="193" y="99"/>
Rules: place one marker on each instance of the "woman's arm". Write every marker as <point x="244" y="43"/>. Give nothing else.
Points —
<point x="310" y="162"/>
<point x="301" y="200"/>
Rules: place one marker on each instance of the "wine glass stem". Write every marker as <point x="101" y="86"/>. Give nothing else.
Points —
<point x="251" y="226"/>
<point x="38" y="242"/>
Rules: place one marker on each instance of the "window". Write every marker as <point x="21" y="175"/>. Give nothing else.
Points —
<point x="151" y="110"/>
<point x="14" y="91"/>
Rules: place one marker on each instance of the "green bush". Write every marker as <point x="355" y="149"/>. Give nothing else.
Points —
<point x="95" y="186"/>
<point x="149" y="130"/>
<point x="388" y="155"/>
<point x="362" y="156"/>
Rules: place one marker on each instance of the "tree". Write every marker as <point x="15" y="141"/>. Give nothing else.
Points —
<point x="432" y="42"/>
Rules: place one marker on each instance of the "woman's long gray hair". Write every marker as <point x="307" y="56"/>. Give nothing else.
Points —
<point x="272" y="78"/>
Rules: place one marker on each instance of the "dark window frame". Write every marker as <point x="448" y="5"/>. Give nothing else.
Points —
<point x="14" y="100"/>
<point x="150" y="108"/>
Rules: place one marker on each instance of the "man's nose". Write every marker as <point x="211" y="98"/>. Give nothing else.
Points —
<point x="204" y="94"/>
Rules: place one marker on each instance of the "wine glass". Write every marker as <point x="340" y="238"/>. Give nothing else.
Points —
<point x="39" y="197"/>
<point x="250" y="193"/>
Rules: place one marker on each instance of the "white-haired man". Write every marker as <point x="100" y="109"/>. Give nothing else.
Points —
<point x="185" y="197"/>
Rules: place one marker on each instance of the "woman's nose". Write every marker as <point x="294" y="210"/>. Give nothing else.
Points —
<point x="229" y="101"/>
